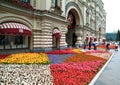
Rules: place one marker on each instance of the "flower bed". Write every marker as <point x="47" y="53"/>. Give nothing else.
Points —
<point x="102" y="46"/>
<point x="78" y="69"/>
<point x="82" y="57"/>
<point x="2" y="56"/>
<point x="67" y="67"/>
<point x="112" y="46"/>
<point x="98" y="53"/>
<point x="66" y="51"/>
<point x="75" y="73"/>
<point x="27" y="58"/>
<point x="76" y="50"/>
<point x="55" y="58"/>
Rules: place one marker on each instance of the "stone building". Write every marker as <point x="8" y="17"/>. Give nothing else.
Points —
<point x="48" y="24"/>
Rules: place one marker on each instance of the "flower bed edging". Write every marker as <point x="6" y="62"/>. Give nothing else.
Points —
<point x="100" y="72"/>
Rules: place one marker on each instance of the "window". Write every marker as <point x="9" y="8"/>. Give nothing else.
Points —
<point x="26" y="1"/>
<point x="13" y="42"/>
<point x="57" y="3"/>
<point x="87" y="19"/>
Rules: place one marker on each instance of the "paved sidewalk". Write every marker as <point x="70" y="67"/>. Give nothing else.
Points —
<point x="111" y="73"/>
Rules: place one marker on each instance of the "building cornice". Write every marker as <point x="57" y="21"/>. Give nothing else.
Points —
<point x="28" y="12"/>
<point x="7" y="6"/>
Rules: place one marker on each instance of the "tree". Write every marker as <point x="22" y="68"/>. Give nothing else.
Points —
<point x="118" y="36"/>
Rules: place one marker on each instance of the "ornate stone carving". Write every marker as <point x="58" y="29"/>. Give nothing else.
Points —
<point x="79" y="33"/>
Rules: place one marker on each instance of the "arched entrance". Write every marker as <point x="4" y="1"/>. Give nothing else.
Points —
<point x="73" y="20"/>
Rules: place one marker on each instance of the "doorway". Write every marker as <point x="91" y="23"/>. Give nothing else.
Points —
<point x="70" y="35"/>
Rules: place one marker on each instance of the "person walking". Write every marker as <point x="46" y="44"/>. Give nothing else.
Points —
<point x="119" y="44"/>
<point x="94" y="45"/>
<point x="116" y="46"/>
<point x="107" y="46"/>
<point x="84" y="45"/>
<point x="90" y="42"/>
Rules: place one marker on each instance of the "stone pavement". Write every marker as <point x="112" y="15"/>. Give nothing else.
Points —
<point x="111" y="73"/>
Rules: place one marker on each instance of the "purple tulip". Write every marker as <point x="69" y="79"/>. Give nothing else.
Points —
<point x="54" y="58"/>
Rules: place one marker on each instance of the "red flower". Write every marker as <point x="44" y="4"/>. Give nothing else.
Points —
<point x="66" y="51"/>
<point x="3" y="56"/>
<point x="74" y="73"/>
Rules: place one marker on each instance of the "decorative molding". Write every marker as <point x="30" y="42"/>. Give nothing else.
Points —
<point x="73" y="4"/>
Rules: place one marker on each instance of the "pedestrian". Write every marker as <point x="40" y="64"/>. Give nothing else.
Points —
<point x="116" y="47"/>
<point x="94" y="45"/>
<point x="84" y="45"/>
<point x="90" y="45"/>
<point x="119" y="44"/>
<point x="107" y="46"/>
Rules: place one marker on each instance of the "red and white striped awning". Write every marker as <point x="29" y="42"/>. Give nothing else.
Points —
<point x="14" y="28"/>
<point x="56" y="33"/>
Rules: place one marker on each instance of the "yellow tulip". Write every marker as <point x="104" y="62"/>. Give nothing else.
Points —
<point x="26" y="58"/>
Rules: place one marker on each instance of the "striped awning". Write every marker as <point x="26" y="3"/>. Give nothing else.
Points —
<point x="56" y="33"/>
<point x="14" y="28"/>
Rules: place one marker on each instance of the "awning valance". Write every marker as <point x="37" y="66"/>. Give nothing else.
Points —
<point x="56" y="33"/>
<point x="14" y="28"/>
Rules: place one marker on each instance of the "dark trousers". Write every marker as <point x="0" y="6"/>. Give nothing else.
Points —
<point x="89" y="45"/>
<point x="84" y="47"/>
<point x="107" y="47"/>
<point x="94" y="47"/>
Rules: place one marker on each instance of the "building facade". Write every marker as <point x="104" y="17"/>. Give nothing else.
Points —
<point x="48" y="24"/>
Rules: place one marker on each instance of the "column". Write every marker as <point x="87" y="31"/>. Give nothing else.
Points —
<point x="79" y="33"/>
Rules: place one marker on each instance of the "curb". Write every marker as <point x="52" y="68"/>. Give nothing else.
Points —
<point x="100" y="72"/>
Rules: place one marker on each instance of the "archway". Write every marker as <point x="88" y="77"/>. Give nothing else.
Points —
<point x="73" y="20"/>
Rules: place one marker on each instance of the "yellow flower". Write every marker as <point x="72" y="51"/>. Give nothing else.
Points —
<point x="77" y="50"/>
<point x="27" y="58"/>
